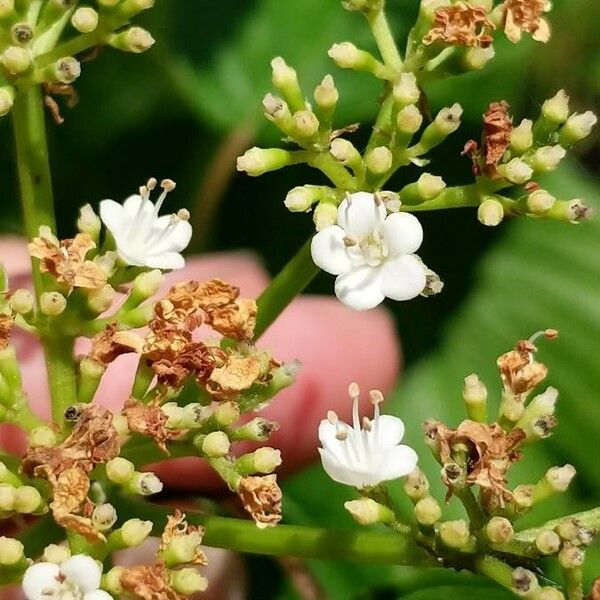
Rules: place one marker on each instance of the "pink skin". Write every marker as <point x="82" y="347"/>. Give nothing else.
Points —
<point x="334" y="344"/>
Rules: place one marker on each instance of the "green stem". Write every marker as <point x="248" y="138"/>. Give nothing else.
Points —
<point x="573" y="583"/>
<point x="496" y="570"/>
<point x="61" y="375"/>
<point x="454" y="197"/>
<point x="384" y="39"/>
<point x="290" y="282"/>
<point x="288" y="540"/>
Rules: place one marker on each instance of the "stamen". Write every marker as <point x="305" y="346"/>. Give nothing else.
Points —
<point x="350" y="241"/>
<point x="353" y="390"/>
<point x="549" y="334"/>
<point x="168" y="185"/>
<point x="151" y="184"/>
<point x="332" y="417"/>
<point x="341" y="433"/>
<point x="183" y="214"/>
<point x="367" y="423"/>
<point x="376" y="397"/>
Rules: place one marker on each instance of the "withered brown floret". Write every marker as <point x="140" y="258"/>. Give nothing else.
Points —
<point x="261" y="497"/>
<point x="595" y="595"/>
<point x="150" y="420"/>
<point x="236" y="374"/>
<point x="148" y="582"/>
<point x="497" y="127"/>
<point x="66" y="261"/>
<point x="461" y="24"/>
<point x="236" y="320"/>
<point x="110" y="343"/>
<point x="6" y="325"/>
<point x="519" y="370"/>
<point x="526" y="15"/>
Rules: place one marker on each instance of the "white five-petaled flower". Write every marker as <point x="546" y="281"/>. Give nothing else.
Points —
<point x="371" y="253"/>
<point x="143" y="238"/>
<point x="78" y="578"/>
<point x="365" y="456"/>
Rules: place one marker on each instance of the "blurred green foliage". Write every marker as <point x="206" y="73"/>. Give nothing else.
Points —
<point x="196" y="96"/>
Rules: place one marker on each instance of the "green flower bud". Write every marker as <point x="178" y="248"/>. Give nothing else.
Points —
<point x="540" y="202"/>
<point x="258" y="161"/>
<point x="538" y="418"/>
<point x="134" y="532"/>
<point x="52" y="303"/>
<point x="555" y="481"/>
<point x="430" y="186"/>
<point x="182" y="549"/>
<point x="550" y="593"/>
<point x="568" y="530"/>
<point x="22" y="301"/>
<point x="379" y="160"/>
<point x="256" y="430"/>
<point x="516" y="171"/>
<point x="89" y="222"/>
<point x="524" y="582"/>
<point x="455" y="534"/>
<point x="304" y="124"/>
<point x="523" y="497"/>
<point x="556" y="109"/>
<point x="499" y="530"/>
<point x="521" y="137"/>
<point x="216" y="444"/>
<point x="42" y="437"/>
<point x="54" y="553"/>
<point x="138" y="317"/>
<point x="324" y="215"/>
<point x="130" y="8"/>
<point x="28" y="500"/>
<point x="446" y="122"/>
<point x="427" y="511"/>
<point x="108" y="3"/>
<point x="8" y="497"/>
<point x="227" y="413"/>
<point x="547" y="158"/>
<point x="366" y="511"/>
<point x="85" y="19"/>
<point x="326" y="94"/>
<point x="548" y="542"/>
<point x="577" y="128"/>
<point x="263" y="460"/>
<point x="409" y="120"/>
<point x="111" y="581"/>
<point x="7" y="96"/>
<point x="64" y="70"/>
<point x="15" y="60"/>
<point x="21" y="33"/>
<point x="571" y="557"/>
<point x="145" y="285"/>
<point x="344" y="152"/>
<point x="301" y="198"/>
<point x="145" y="484"/>
<point x="347" y="56"/>
<point x="416" y="485"/>
<point x="476" y="58"/>
<point x="101" y="300"/>
<point x="119" y="470"/>
<point x="490" y="212"/>
<point x="406" y="90"/>
<point x="11" y="551"/>
<point x="188" y="581"/>
<point x="134" y="39"/>
<point x="104" y="517"/>
<point x="285" y="80"/>
<point x="475" y="397"/>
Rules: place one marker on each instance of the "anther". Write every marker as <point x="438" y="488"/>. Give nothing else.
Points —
<point x="376" y="397"/>
<point x="549" y="334"/>
<point x="367" y="423"/>
<point x="168" y="185"/>
<point x="350" y="241"/>
<point x="353" y="390"/>
<point x="183" y="214"/>
<point x="332" y="417"/>
<point x="151" y="183"/>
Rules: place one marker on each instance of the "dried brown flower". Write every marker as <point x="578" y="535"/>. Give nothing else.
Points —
<point x="497" y="126"/>
<point x="236" y="320"/>
<point x="519" y="370"/>
<point x="261" y="497"/>
<point x="177" y="526"/>
<point x="150" y="420"/>
<point x="491" y="452"/>
<point x="148" y="583"/>
<point x="110" y="343"/>
<point x="595" y="595"/>
<point x="6" y="325"/>
<point x="236" y="374"/>
<point x="526" y="15"/>
<point x="461" y="24"/>
<point x="66" y="261"/>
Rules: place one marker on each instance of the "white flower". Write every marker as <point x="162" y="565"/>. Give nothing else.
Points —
<point x="364" y="457"/>
<point x="372" y="254"/>
<point x="143" y="238"/>
<point x="78" y="578"/>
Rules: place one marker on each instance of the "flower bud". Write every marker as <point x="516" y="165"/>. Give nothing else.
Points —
<point x="11" y="551"/>
<point x="119" y="470"/>
<point x="516" y="171"/>
<point x="326" y="94"/>
<point x="536" y="415"/>
<point x="22" y="301"/>
<point x="85" y="19"/>
<point x="475" y="397"/>
<point x="455" y="534"/>
<point x="104" y="517"/>
<point x="556" y="109"/>
<point x="379" y="160"/>
<point x="446" y="122"/>
<point x="548" y="542"/>
<point x="188" y="581"/>
<point x="427" y="511"/>
<point x="324" y="215"/>
<point x="64" y="70"/>
<point x="347" y="56"/>
<point x="57" y="554"/>
<point x="263" y="460"/>
<point x="568" y="530"/>
<point x="430" y="186"/>
<point x="42" y="437"/>
<point x="52" y="303"/>
<point x="216" y="444"/>
<point x="540" y="202"/>
<point x="145" y="484"/>
<point x="409" y="120"/>
<point x="416" y="485"/>
<point x="301" y="198"/>
<point x="571" y="557"/>
<point x="134" y="532"/>
<point x="406" y="90"/>
<point x="256" y="430"/>
<point x="182" y="549"/>
<point x="547" y="158"/>
<point x="499" y="530"/>
<point x="21" y="33"/>
<point x="344" y="151"/>
<point x="111" y="581"/>
<point x="227" y="413"/>
<point x="258" y="161"/>
<point x="89" y="222"/>
<point x="8" y="497"/>
<point x="524" y="582"/>
<point x="101" y="300"/>
<point x="521" y="137"/>
<point x="304" y="124"/>
<point x="134" y="39"/>
<point x="555" y="481"/>
<point x="366" y="511"/>
<point x="145" y="285"/>
<point x="490" y="212"/>
<point x="550" y="593"/>
<point x="577" y="128"/>
<point x="278" y="112"/>
<point x="15" y="60"/>
<point x="130" y="8"/>
<point x="7" y="96"/>
<point x="523" y="497"/>
<point x="286" y="81"/>
<point x="28" y="500"/>
<point x="476" y="58"/>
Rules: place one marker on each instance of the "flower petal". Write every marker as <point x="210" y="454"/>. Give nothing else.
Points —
<point x="360" y="288"/>
<point x="39" y="579"/>
<point x="402" y="233"/>
<point x="361" y="215"/>
<point x="132" y="207"/>
<point x="403" y="278"/>
<point x="97" y="595"/>
<point x="329" y="251"/>
<point x="389" y="431"/>
<point x="340" y="471"/>
<point x="112" y="215"/>
<point x="168" y="236"/>
<point x="84" y="571"/>
<point x="165" y="261"/>
<point x="397" y="462"/>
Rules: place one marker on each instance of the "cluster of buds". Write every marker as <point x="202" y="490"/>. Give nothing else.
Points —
<point x="40" y="39"/>
<point x="475" y="460"/>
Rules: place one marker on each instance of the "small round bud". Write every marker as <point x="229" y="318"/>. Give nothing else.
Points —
<point x="57" y="554"/>
<point x="345" y="55"/>
<point x="540" y="202"/>
<point x="266" y="459"/>
<point x="548" y="542"/>
<point x="89" y="221"/>
<point x="66" y="70"/>
<point x="571" y="557"/>
<point x="146" y="484"/>
<point x="474" y="391"/>
<point x="22" y="301"/>
<point x="416" y="485"/>
<point x="366" y="511"/>
<point x="15" y="60"/>
<point x="183" y="549"/>
<point x="134" y="39"/>
<point x="448" y="119"/>
<point x="521" y="137"/>
<point x="91" y="368"/>
<point x="379" y="160"/>
<point x="455" y="534"/>
<point x="406" y="90"/>
<point x="427" y="511"/>
<point x="577" y="128"/>
<point x="550" y="593"/>
<point x="344" y="151"/>
<point x="52" y="303"/>
<point x="119" y="470"/>
<point x="300" y="199"/>
<point x="304" y="124"/>
<point x="227" y="413"/>
<point x="8" y="496"/>
<point x="476" y="58"/>
<point x="559" y="478"/>
<point x="490" y="212"/>
<point x="516" y="171"/>
<point x="326" y="94"/>
<point x="409" y="120"/>
<point x="547" y="158"/>
<point x="523" y="496"/>
<point x="27" y="500"/>
<point x="135" y="531"/>
<point x="104" y="517"/>
<point x="101" y="300"/>
<point x="188" y="581"/>
<point x="11" y="551"/>
<point x="42" y="437"/>
<point x="568" y="529"/>
<point x="430" y="186"/>
<point x="324" y="215"/>
<point x="111" y="581"/>
<point x="21" y="33"/>
<point x="130" y="8"/>
<point x="147" y="284"/>
<point x="283" y="74"/>
<point x="524" y="582"/>
<point x="85" y="19"/>
<point x="499" y="530"/>
<point x="216" y="444"/>
<point x="556" y="109"/>
<point x="258" y="161"/>
<point x="7" y="96"/>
